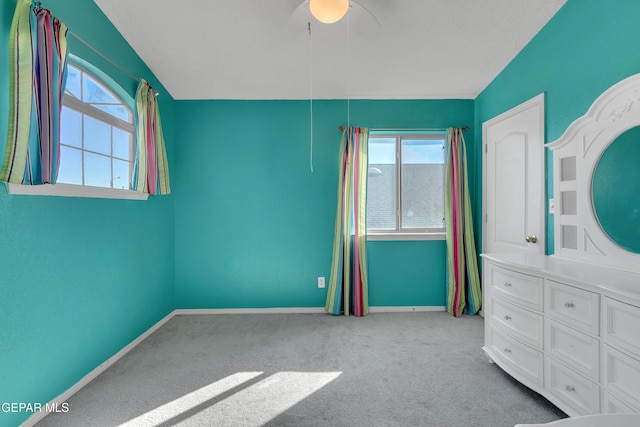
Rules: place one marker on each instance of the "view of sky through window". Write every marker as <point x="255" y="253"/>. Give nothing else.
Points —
<point x="406" y="178"/>
<point x="96" y="134"/>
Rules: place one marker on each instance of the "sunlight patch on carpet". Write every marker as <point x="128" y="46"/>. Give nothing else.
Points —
<point x="253" y="405"/>
<point x="265" y="400"/>
<point x="189" y="401"/>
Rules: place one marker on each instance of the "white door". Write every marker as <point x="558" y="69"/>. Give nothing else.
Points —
<point x="513" y="180"/>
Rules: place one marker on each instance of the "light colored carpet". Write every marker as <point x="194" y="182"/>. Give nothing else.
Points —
<point x="386" y="369"/>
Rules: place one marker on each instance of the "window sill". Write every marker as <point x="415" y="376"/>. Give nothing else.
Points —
<point x="406" y="236"/>
<point x="70" y="190"/>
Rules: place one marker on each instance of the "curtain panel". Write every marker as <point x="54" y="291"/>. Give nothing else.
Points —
<point x="347" y="292"/>
<point x="151" y="169"/>
<point x="37" y="74"/>
<point x="463" y="281"/>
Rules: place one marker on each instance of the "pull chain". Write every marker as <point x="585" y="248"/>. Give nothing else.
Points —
<point x="310" y="98"/>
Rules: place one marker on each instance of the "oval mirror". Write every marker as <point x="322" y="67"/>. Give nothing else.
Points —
<point x="616" y="190"/>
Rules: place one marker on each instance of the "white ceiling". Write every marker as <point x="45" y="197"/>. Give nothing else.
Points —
<point x="261" y="49"/>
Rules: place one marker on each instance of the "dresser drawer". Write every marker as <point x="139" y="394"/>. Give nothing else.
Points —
<point x="526" y="362"/>
<point x="519" y="288"/>
<point x="574" y="348"/>
<point x="621" y="324"/>
<point x="576" y="307"/>
<point x="621" y="374"/>
<point x="572" y="388"/>
<point x="523" y="324"/>
<point x="613" y="405"/>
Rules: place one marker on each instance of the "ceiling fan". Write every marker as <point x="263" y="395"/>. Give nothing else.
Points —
<point x="360" y="19"/>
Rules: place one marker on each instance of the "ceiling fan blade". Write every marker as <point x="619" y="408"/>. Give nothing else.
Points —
<point x="362" y="21"/>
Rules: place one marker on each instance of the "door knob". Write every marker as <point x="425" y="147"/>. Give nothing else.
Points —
<point x="531" y="239"/>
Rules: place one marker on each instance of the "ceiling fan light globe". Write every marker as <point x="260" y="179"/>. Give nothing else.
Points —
<point x="328" y="11"/>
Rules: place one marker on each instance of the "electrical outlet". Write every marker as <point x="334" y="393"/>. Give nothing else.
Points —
<point x="320" y="282"/>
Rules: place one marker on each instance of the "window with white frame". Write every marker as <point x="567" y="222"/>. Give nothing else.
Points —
<point x="405" y="186"/>
<point x="96" y="134"/>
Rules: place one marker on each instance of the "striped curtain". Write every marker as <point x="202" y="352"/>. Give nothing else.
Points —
<point x="347" y="292"/>
<point x="463" y="281"/>
<point x="37" y="75"/>
<point x="151" y="170"/>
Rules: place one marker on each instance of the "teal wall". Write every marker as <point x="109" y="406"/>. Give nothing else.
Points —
<point x="584" y="49"/>
<point x="254" y="225"/>
<point x="79" y="278"/>
<point x="249" y="225"/>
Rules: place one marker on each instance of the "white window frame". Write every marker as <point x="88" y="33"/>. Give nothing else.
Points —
<point x="401" y="233"/>
<point x="74" y="190"/>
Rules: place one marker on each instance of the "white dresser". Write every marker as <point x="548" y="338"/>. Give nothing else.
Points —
<point x="568" y="330"/>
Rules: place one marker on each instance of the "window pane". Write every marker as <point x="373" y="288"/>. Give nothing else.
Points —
<point x="92" y="91"/>
<point x="72" y="86"/>
<point x="381" y="184"/>
<point x="70" y="166"/>
<point x="121" y="144"/>
<point x="422" y="183"/>
<point x="97" y="170"/>
<point x="115" y="110"/>
<point x="97" y="95"/>
<point x="97" y="136"/>
<point x="121" y="174"/>
<point x="71" y="128"/>
<point x="104" y="153"/>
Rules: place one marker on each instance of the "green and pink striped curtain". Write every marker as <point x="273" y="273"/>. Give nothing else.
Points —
<point x="347" y="292"/>
<point x="463" y="281"/>
<point x="37" y="73"/>
<point x="151" y="170"/>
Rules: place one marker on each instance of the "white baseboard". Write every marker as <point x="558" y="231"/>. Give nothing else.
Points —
<point x="302" y="310"/>
<point x="405" y="309"/>
<point x="277" y="310"/>
<point x="58" y="401"/>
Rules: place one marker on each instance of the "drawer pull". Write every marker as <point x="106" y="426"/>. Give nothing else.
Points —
<point x="569" y="304"/>
<point x="507" y="284"/>
<point x="507" y="350"/>
<point x="507" y="317"/>
<point x="570" y="388"/>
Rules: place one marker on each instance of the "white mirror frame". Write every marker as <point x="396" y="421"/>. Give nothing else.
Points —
<point x="577" y="232"/>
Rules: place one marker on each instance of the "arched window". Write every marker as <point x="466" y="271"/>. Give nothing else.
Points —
<point x="96" y="134"/>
